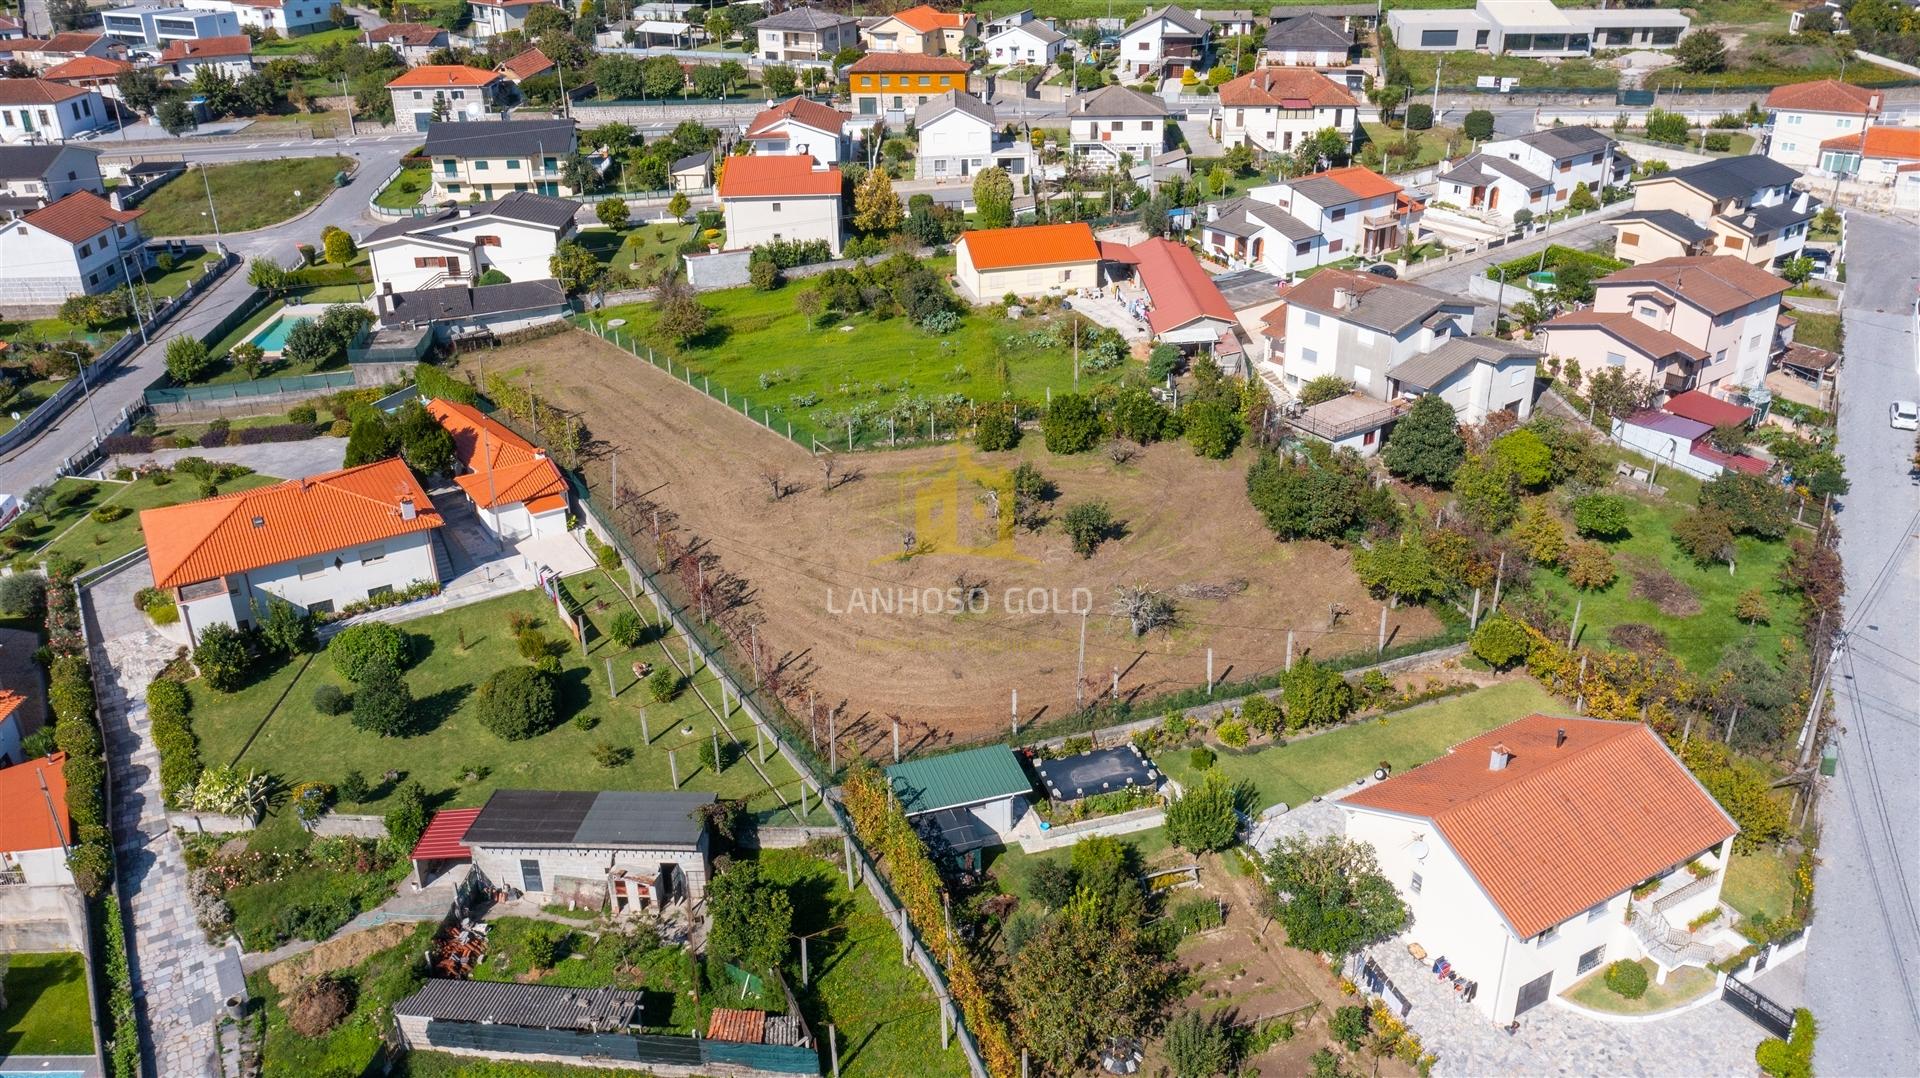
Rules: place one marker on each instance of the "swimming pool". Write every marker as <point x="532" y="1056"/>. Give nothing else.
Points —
<point x="272" y="337"/>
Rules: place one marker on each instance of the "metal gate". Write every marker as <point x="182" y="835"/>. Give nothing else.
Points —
<point x="1746" y="999"/>
<point x="1533" y="993"/>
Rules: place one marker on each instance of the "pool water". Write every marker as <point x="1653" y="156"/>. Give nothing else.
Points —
<point x="272" y="337"/>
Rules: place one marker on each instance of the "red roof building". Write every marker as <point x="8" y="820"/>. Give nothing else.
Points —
<point x="1826" y="95"/>
<point x="208" y="50"/>
<point x="444" y="76"/>
<point x="441" y="842"/>
<point x="79" y="217"/>
<point x="525" y="65"/>
<point x="35" y="826"/>
<point x="87" y="71"/>
<point x="501" y="472"/>
<point x="1712" y="411"/>
<point x="1286" y="88"/>
<point x="772" y="123"/>
<point x="1030" y="245"/>
<point x="777" y="176"/>
<point x="1186" y="306"/>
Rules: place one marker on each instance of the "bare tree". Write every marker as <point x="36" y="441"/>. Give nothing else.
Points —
<point x="829" y="471"/>
<point x="1144" y="608"/>
<point x="777" y="485"/>
<point x="1121" y="451"/>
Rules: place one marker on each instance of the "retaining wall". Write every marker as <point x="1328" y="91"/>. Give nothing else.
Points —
<point x="42" y="918"/>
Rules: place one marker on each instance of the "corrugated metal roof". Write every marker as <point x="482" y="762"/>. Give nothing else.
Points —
<point x="959" y="778"/>
<point x="535" y="1006"/>
<point x="441" y="841"/>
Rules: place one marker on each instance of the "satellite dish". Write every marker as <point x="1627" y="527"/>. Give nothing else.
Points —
<point x="1418" y="849"/>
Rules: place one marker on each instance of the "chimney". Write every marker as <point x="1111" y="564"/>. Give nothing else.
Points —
<point x="1342" y="299"/>
<point x="1560" y="737"/>
<point x="1750" y="221"/>
<point x="1497" y="760"/>
<point x="406" y="507"/>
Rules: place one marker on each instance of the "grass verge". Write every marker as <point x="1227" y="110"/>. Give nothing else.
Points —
<point x="1760" y="884"/>
<point x="248" y="194"/>
<point x="1683" y="985"/>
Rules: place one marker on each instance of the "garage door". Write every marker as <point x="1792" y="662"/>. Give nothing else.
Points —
<point x="1533" y="993"/>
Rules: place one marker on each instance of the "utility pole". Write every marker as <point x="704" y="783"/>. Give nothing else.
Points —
<point x="211" y="210"/>
<point x="352" y="131"/>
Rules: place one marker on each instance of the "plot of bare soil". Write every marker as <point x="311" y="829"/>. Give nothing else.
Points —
<point x="849" y="616"/>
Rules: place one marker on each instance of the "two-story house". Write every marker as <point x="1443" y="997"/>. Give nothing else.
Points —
<point x="318" y="543"/>
<point x="435" y="92"/>
<point x="767" y="198"/>
<point x="288" y="18"/>
<point x="482" y="161"/>
<point x="32" y="176"/>
<point x="1477" y="376"/>
<point x="1163" y="43"/>
<point x="516" y="235"/>
<point x="1705" y="322"/>
<point x="1290" y="227"/>
<point x="97" y="73"/>
<point x="1030" y="43"/>
<point x="1358" y="326"/>
<point x="1877" y="155"/>
<point x="39" y="55"/>
<point x="1748" y="203"/>
<point x="528" y="63"/>
<point x="1567" y="157"/>
<point x="232" y="56"/>
<point x="153" y="26"/>
<point x="800" y="125"/>
<point x="1518" y="855"/>
<point x="923" y="29"/>
<point x="413" y="41"/>
<point x="35" y="110"/>
<point x="960" y="135"/>
<point x="1276" y="108"/>
<point x="494" y="17"/>
<point x="804" y="33"/>
<point x="1113" y="122"/>
<point x="36" y="829"/>
<point x="894" y="84"/>
<point x="1806" y="114"/>
<point x="1310" y="40"/>
<point x="80" y="244"/>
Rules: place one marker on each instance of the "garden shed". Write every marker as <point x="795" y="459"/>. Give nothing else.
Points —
<point x="966" y="799"/>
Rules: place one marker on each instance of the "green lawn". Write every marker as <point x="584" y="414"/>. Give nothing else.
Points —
<point x="296" y="46"/>
<point x="272" y="726"/>
<point x="46" y="1012"/>
<point x="763" y="348"/>
<point x="1760" y="884"/>
<point x="1818" y="330"/>
<point x="73" y="533"/>
<point x="1308" y="767"/>
<point x="1683" y="985"/>
<point x="353" y="1046"/>
<point x="883" y="1011"/>
<point x="418" y="1064"/>
<point x="1013" y="867"/>
<point x="1457" y="69"/>
<point x="655" y="247"/>
<point x="1698" y="638"/>
<point x="259" y="909"/>
<point x="157" y="284"/>
<point x="248" y="194"/>
<point x="1430" y="146"/>
<point x="30" y="396"/>
<point x="413" y="183"/>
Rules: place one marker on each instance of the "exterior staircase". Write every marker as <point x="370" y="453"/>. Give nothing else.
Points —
<point x="442" y="560"/>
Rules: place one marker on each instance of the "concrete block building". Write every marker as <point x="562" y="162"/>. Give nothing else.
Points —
<point x="622" y="851"/>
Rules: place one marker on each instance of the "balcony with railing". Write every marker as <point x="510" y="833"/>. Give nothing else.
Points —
<point x="1344" y="417"/>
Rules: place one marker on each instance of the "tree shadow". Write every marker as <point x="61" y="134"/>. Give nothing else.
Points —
<point x="435" y="708"/>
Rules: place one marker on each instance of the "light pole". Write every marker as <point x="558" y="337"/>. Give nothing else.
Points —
<point x="85" y="390"/>
<point x="211" y="210"/>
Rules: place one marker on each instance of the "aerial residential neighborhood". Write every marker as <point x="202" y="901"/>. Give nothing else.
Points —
<point x="966" y="541"/>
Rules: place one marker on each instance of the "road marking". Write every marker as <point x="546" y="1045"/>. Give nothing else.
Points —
<point x="287" y="143"/>
<point x="254" y="145"/>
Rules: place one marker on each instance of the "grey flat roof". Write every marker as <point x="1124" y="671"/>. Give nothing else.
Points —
<point x="460" y="301"/>
<point x="643" y="818"/>
<point x="1672" y="222"/>
<point x="498" y="138"/>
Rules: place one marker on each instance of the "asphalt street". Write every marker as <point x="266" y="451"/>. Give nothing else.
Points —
<point x="1588" y="231"/>
<point x="1863" y="972"/>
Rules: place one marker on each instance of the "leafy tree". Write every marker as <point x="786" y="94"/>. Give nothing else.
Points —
<point x="663" y="684"/>
<point x="993" y="198"/>
<point x="1330" y="895"/>
<point x="778" y="80"/>
<point x="1478" y="125"/>
<point x="1349" y="1026"/>
<point x="425" y="445"/>
<point x="1540" y="534"/>
<point x="678" y="205"/>
<point x="1754" y="504"/>
<point x="1328" y="496"/>
<point x="1701" y="52"/>
<point x="612" y="212"/>
<point x="1426" y="445"/>
<point x="407" y="815"/>
<point x="876" y="209"/>
<point x="1752" y="607"/>
<point x="660" y="76"/>
<point x="1793" y="1057"/>
<point x="574" y="267"/>
<point x="1600" y="516"/>
<point x="1522" y="217"/>
<point x="996" y="431"/>
<point x="1404" y="568"/>
<point x="187" y="359"/>
<point x="371" y="437"/>
<point x="1137" y="416"/>
<point x="1087" y="524"/>
<point x="267" y="275"/>
<point x="221" y="656"/>
<point x="356" y="648"/>
<point x="175" y="115"/>
<point x="1589" y="566"/>
<point x="1582" y="200"/>
<point x="627" y="629"/>
<point x="340" y="248"/>
<point x="382" y="703"/>
<point x="1706" y="535"/>
<point x="1669" y="127"/>
<point x="682" y="317"/>
<point x="1207" y="816"/>
<point x="1085" y="977"/>
<point x="1526" y="455"/>
<point x="1486" y="491"/>
<point x="139" y="88"/>
<point x="1212" y="429"/>
<point x="518" y="702"/>
<point x="1324" y="388"/>
<point x="1197" y="1046"/>
<point x="1315" y="695"/>
<point x="1500" y="642"/>
<point x="1071" y="424"/>
<point x="752" y="917"/>
<point x="287" y="630"/>
<point x="1419" y="116"/>
<point x="84" y="311"/>
<point x="249" y="357"/>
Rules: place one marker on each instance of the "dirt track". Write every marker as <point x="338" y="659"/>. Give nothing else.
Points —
<point x="818" y="564"/>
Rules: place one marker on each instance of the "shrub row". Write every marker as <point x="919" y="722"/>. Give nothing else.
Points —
<point x="419" y="589"/>
<point x="435" y="383"/>
<point x="70" y="696"/>
<point x="123" y="1044"/>
<point x="168" y="706"/>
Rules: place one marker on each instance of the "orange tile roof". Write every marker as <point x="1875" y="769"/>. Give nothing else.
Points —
<point x="926" y="19"/>
<point x="86" y="67"/>
<point x="1881" y="142"/>
<point x="230" y="45"/>
<point x="23" y="44"/>
<point x="1359" y="179"/>
<point x="800" y="110"/>
<point x="301" y="518"/>
<point x="893" y="63"/>
<point x="428" y="76"/>
<point x="1032" y="245"/>
<point x="1181" y="290"/>
<point x="1285" y="87"/>
<point x="740" y="1026"/>
<point x="79" y="216"/>
<point x="25" y="823"/>
<point x="1827" y="95"/>
<point x="525" y="65"/>
<point x="70" y="41"/>
<point x="771" y="175"/>
<point x="36" y="92"/>
<point x="502" y="468"/>
<point x="1562" y="826"/>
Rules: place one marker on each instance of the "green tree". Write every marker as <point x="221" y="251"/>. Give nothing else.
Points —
<point x="1526" y="456"/>
<point x="1540" y="534"/>
<point x="1212" y="429"/>
<point x="1315" y="695"/>
<point x="678" y="205"/>
<point x="682" y="317"/>
<point x="1324" y="388"/>
<point x="1085" y="977"/>
<point x="996" y="431"/>
<point x="382" y="703"/>
<point x="1310" y="497"/>
<point x="709" y="81"/>
<point x="1207" y="816"/>
<point x="187" y="359"/>
<point x="1701" y="52"/>
<point x="357" y="647"/>
<point x="612" y="212"/>
<point x="1754" y="504"/>
<point x="1419" y="116"/>
<point x="1071" y="424"/>
<point x="1500" y="642"/>
<point x="175" y="115"/>
<point x="1087" y="524"/>
<point x="752" y="917"/>
<point x="660" y="76"/>
<point x="1137" y="416"/>
<point x="425" y="445"/>
<point x="1404" y="568"/>
<point x="1589" y="566"/>
<point x="1600" y="516"/>
<point x="407" y="815"/>
<point x="267" y="275"/>
<point x="993" y="198"/>
<point x="574" y="267"/>
<point x="221" y="657"/>
<point x="340" y="248"/>
<point x="778" y="80"/>
<point x="1706" y="535"/>
<point x="1330" y="895"/>
<point x="1426" y="445"/>
<point x="876" y="208"/>
<point x="1198" y="1046"/>
<point x="1478" y="125"/>
<point x="518" y="702"/>
<point x="287" y="630"/>
<point x="1486" y="491"/>
<point x="139" y="88"/>
<point x="371" y="437"/>
<point x="1582" y="200"/>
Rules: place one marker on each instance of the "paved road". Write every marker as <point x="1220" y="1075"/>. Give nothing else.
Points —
<point x="38" y="460"/>
<point x="1453" y="276"/>
<point x="1863" y="978"/>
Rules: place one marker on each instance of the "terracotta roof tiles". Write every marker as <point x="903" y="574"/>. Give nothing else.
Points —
<point x="1883" y="142"/>
<point x="79" y="217"/>
<point x="1714" y="283"/>
<point x="86" y="67"/>
<point x="773" y="175"/>
<point x="430" y="76"/>
<point x="36" y="92"/>
<point x="800" y="110"/>
<point x="1826" y="95"/>
<point x="893" y="63"/>
<point x="1181" y="290"/>
<point x="1285" y="87"/>
<point x="1032" y="245"/>
<point x="501" y="467"/>
<point x="25" y="823"/>
<point x="230" y="45"/>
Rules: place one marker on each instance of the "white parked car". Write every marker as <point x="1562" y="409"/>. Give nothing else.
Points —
<point x="1905" y="415"/>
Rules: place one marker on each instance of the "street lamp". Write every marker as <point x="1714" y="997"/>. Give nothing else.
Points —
<point x="85" y="390"/>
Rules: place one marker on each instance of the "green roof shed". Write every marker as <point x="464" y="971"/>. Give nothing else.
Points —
<point x="957" y="779"/>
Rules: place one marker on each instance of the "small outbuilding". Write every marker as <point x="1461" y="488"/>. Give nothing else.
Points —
<point x="620" y="850"/>
<point x="963" y="801"/>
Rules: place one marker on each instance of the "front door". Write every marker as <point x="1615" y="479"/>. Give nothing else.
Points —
<point x="1493" y="197"/>
<point x="530" y="881"/>
<point x="1533" y="993"/>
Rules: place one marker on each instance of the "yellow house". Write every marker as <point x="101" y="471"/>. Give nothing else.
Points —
<point x="895" y="84"/>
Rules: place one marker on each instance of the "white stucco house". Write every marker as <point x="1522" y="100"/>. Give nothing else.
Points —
<point x="1518" y="854"/>
<point x="319" y="543"/>
<point x="516" y="235"/>
<point x="800" y="125"/>
<point x="960" y="135"/>
<point x="620" y="851"/>
<point x="518" y="491"/>
<point x="767" y="198"/>
<point x="153" y="26"/>
<point x="1029" y="260"/>
<point x="1031" y="42"/>
<point x="1360" y="327"/>
<point x="32" y="176"/>
<point x="1534" y="28"/>
<point x="1163" y="42"/>
<point x="1277" y="108"/>
<point x="1478" y="376"/>
<point x="80" y="244"/>
<point x="35" y="827"/>
<point x="491" y="17"/>
<point x="1536" y="172"/>
<point x="804" y="33"/>
<point x="471" y="162"/>
<point x="36" y="110"/>
<point x="1802" y="116"/>
<point x="232" y="56"/>
<point x="1287" y="228"/>
<point x="1112" y="121"/>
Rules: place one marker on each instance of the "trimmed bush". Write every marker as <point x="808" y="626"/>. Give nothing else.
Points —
<point x="518" y="702"/>
<point x="627" y="629"/>
<point x="222" y="657"/>
<point x="1627" y="979"/>
<point x="357" y="646"/>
